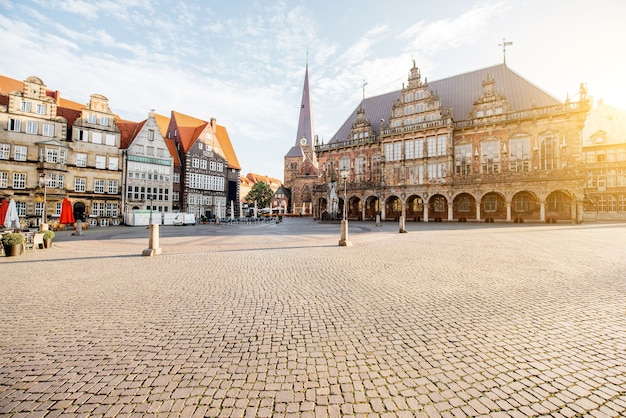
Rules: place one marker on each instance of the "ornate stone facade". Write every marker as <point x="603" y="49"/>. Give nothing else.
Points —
<point x="482" y="146"/>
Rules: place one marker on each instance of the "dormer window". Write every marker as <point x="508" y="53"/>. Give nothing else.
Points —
<point x="41" y="109"/>
<point x="91" y="118"/>
<point x="25" y="107"/>
<point x="199" y="145"/>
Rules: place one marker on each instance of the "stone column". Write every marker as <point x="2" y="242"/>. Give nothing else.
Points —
<point x="450" y="211"/>
<point x="542" y="211"/>
<point x="508" y="211"/>
<point x="477" y="211"/>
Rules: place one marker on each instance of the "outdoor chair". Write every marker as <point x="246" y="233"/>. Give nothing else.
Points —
<point x="28" y="240"/>
<point x="38" y="241"/>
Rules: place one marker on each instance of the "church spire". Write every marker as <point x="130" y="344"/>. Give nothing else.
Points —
<point x="305" y="123"/>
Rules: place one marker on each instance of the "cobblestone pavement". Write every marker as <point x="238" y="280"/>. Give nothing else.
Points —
<point x="277" y="320"/>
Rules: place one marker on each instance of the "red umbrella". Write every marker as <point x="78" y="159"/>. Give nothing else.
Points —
<point x="67" y="214"/>
<point x="4" y="206"/>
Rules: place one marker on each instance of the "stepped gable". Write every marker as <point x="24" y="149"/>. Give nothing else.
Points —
<point x="457" y="93"/>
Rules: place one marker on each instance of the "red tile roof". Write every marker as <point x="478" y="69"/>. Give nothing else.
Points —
<point x="171" y="146"/>
<point x="227" y="147"/>
<point x="7" y="85"/>
<point x="128" y="131"/>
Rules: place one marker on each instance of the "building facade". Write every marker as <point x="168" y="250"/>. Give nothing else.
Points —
<point x="209" y="168"/>
<point x="34" y="152"/>
<point x="95" y="177"/>
<point x="300" y="163"/>
<point x="149" y="167"/>
<point x="52" y="148"/>
<point x="56" y="149"/>
<point x="604" y="156"/>
<point x="481" y="146"/>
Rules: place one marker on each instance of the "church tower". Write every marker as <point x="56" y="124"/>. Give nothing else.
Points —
<point x="300" y="164"/>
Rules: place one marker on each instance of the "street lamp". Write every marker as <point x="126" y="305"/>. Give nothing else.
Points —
<point x="43" y="182"/>
<point x="343" y="240"/>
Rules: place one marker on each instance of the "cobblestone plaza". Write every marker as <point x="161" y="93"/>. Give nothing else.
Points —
<point x="449" y="319"/>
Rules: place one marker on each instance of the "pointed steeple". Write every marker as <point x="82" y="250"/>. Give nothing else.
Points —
<point x="305" y="137"/>
<point x="305" y="123"/>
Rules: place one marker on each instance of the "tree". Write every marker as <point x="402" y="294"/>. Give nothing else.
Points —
<point x="261" y="193"/>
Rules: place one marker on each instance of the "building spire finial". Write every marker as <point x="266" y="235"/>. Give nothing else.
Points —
<point x="504" y="44"/>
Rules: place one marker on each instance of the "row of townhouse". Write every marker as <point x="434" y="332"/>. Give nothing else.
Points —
<point x="52" y="148"/>
<point x="487" y="145"/>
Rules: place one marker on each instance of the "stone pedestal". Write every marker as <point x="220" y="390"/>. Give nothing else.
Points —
<point x="79" y="228"/>
<point x="153" y="241"/>
<point x="343" y="240"/>
<point x="402" y="225"/>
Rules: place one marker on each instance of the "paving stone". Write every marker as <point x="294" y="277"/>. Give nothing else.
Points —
<point x="276" y="320"/>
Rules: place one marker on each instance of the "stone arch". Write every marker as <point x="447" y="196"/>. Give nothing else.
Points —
<point x="464" y="207"/>
<point x="393" y="208"/>
<point x="525" y="207"/>
<point x="493" y="207"/>
<point x="415" y="208"/>
<point x="80" y="211"/>
<point x="437" y="208"/>
<point x="558" y="206"/>
<point x="372" y="207"/>
<point x="355" y="208"/>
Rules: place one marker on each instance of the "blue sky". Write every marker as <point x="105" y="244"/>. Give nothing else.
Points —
<point x="243" y="61"/>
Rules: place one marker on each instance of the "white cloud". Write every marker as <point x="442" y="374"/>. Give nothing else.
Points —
<point x="450" y="32"/>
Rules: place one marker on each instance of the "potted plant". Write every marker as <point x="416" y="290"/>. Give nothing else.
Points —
<point x="48" y="236"/>
<point x="203" y="219"/>
<point x="13" y="243"/>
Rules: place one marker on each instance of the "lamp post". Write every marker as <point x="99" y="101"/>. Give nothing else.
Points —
<point x="343" y="240"/>
<point x="43" y="182"/>
<point x="150" y="198"/>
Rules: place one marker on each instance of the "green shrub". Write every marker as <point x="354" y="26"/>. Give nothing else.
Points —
<point x="48" y="234"/>
<point x="12" y="238"/>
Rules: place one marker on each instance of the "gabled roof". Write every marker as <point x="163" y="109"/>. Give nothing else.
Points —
<point x="255" y="178"/>
<point x="163" y="123"/>
<point x="171" y="146"/>
<point x="128" y="131"/>
<point x="227" y="147"/>
<point x="189" y="129"/>
<point x="457" y="93"/>
<point x="70" y="115"/>
<point x="7" y="85"/>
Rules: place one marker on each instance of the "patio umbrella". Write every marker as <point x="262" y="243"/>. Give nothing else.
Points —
<point x="12" y="219"/>
<point x="4" y="206"/>
<point x="232" y="210"/>
<point x="67" y="214"/>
